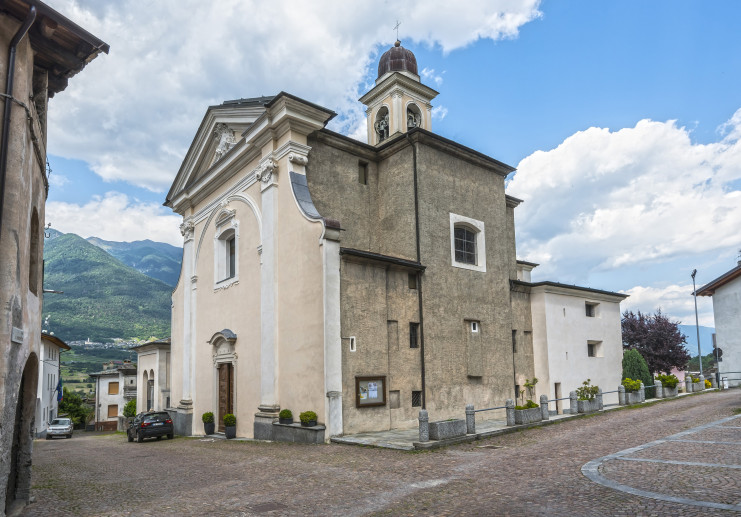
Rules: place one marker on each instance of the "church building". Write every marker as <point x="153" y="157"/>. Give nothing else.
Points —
<point x="360" y="281"/>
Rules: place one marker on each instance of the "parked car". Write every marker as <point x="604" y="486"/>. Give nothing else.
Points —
<point x="59" y="427"/>
<point x="153" y="424"/>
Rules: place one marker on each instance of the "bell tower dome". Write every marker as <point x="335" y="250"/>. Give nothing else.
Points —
<point x="399" y="101"/>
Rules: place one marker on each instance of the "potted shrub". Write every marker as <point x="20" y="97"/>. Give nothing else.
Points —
<point x="586" y="397"/>
<point x="230" y="423"/>
<point x="632" y="391"/>
<point x="528" y="411"/>
<point x="708" y="384"/>
<point x="208" y="422"/>
<point x="669" y="384"/>
<point x="697" y="385"/>
<point x="308" y="418"/>
<point x="285" y="417"/>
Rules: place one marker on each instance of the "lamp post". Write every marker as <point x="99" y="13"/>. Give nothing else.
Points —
<point x="697" y="323"/>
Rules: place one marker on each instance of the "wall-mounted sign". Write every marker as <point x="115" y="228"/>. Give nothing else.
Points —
<point x="370" y="391"/>
<point x="16" y="335"/>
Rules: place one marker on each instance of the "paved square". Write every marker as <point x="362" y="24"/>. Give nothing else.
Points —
<point x="533" y="472"/>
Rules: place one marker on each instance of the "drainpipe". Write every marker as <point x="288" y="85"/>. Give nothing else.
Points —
<point x="30" y="18"/>
<point x="419" y="274"/>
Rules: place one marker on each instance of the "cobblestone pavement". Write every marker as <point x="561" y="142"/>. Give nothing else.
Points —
<point x="532" y="472"/>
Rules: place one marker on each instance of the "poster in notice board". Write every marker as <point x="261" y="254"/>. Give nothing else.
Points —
<point x="370" y="391"/>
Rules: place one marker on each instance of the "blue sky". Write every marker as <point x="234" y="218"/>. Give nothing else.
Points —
<point x="622" y="118"/>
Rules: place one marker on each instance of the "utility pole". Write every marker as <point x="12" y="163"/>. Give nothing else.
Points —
<point x="697" y="323"/>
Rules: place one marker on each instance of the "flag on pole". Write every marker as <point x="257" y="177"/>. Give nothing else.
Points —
<point x="60" y="395"/>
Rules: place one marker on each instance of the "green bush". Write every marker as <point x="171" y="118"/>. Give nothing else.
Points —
<point x="528" y="405"/>
<point x="631" y="385"/>
<point x="307" y="416"/>
<point x="668" y="381"/>
<point x="285" y="413"/>
<point x="587" y="391"/>
<point x="708" y="384"/>
<point x="694" y="379"/>
<point x="635" y="367"/>
<point x="129" y="409"/>
<point x="208" y="417"/>
<point x="230" y="420"/>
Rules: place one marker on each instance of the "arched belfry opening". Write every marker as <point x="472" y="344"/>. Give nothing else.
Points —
<point x="398" y="102"/>
<point x="19" y="478"/>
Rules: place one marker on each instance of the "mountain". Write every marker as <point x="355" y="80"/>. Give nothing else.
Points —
<point x="154" y="259"/>
<point x="706" y="339"/>
<point x="103" y="297"/>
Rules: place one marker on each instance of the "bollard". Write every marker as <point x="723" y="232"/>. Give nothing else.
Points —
<point x="424" y="426"/>
<point x="544" y="407"/>
<point x="688" y="382"/>
<point x="702" y="382"/>
<point x="717" y="380"/>
<point x="510" y="404"/>
<point x="621" y="395"/>
<point x="642" y="391"/>
<point x="600" y="405"/>
<point x="573" y="404"/>
<point x="659" y="389"/>
<point x="470" y="419"/>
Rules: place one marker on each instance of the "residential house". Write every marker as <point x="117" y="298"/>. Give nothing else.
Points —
<point x="726" y="293"/>
<point x="153" y="371"/>
<point x="47" y="405"/>
<point x="40" y="50"/>
<point x="115" y="386"/>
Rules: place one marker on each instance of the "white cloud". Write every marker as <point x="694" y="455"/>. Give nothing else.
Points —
<point x="439" y="112"/>
<point x="132" y="114"/>
<point x="58" y="180"/>
<point x="603" y="200"/>
<point x="115" y="217"/>
<point x="428" y="74"/>
<point x="676" y="300"/>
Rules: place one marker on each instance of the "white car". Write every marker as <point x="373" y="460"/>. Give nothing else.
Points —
<point x="59" y="427"/>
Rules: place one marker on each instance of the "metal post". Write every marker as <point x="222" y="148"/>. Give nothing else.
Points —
<point x="697" y="321"/>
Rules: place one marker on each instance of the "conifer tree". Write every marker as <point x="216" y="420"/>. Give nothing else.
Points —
<point x="635" y="368"/>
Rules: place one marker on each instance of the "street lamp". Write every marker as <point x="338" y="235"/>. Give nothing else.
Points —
<point x="697" y="322"/>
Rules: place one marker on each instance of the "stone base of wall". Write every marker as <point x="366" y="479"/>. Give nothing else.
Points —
<point x="528" y="416"/>
<point x="296" y="433"/>
<point x="447" y="429"/>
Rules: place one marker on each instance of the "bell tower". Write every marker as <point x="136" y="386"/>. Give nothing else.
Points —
<point x="399" y="101"/>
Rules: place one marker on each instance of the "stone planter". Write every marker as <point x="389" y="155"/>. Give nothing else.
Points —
<point x="528" y="416"/>
<point x="632" y="397"/>
<point x="698" y="387"/>
<point x="447" y="429"/>
<point x="285" y="421"/>
<point x="230" y="431"/>
<point x="670" y="392"/>
<point x="587" y="406"/>
<point x="310" y="423"/>
<point x="209" y="427"/>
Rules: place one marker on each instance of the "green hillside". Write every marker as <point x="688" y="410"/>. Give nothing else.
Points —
<point x="155" y="259"/>
<point x="103" y="298"/>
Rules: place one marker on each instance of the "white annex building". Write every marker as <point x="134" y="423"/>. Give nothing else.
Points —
<point x="47" y="407"/>
<point x="115" y="385"/>
<point x="726" y="293"/>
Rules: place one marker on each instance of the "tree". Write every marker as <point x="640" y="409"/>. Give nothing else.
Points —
<point x="73" y="406"/>
<point x="657" y="338"/>
<point x="635" y="368"/>
<point x="129" y="409"/>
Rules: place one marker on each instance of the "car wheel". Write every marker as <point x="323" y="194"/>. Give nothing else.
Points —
<point x="69" y="436"/>
<point x="129" y="437"/>
<point x="48" y="437"/>
<point x="169" y="436"/>
<point x="139" y="437"/>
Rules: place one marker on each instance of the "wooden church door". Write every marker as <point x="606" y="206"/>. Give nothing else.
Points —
<point x="226" y="392"/>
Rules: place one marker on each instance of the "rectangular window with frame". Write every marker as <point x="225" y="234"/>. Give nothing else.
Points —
<point x="412" y="277"/>
<point x="594" y="348"/>
<point x="590" y="309"/>
<point x="231" y="252"/>
<point x="112" y="411"/>
<point x="413" y="335"/>
<point x="113" y="388"/>
<point x="362" y="173"/>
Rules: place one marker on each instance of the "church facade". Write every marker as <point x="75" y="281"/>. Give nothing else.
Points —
<point x="360" y="281"/>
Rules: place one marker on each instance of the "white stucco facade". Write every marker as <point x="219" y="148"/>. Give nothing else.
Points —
<point x="114" y="387"/>
<point x="153" y="376"/>
<point x="576" y="336"/>
<point x="726" y="294"/>
<point x="47" y="406"/>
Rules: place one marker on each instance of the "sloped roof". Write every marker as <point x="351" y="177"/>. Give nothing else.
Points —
<point x="709" y="289"/>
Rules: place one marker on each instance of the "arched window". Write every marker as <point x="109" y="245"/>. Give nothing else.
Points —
<point x="381" y="125"/>
<point x="467" y="243"/>
<point x="226" y="249"/>
<point x="33" y="254"/>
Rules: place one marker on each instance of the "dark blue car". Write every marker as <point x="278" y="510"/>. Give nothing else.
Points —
<point x="153" y="424"/>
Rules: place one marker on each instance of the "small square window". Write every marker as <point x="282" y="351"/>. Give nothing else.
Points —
<point x="416" y="399"/>
<point x="591" y="352"/>
<point x="594" y="348"/>
<point x="590" y="309"/>
<point x="475" y="327"/>
<point x="413" y="335"/>
<point x="412" y="278"/>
